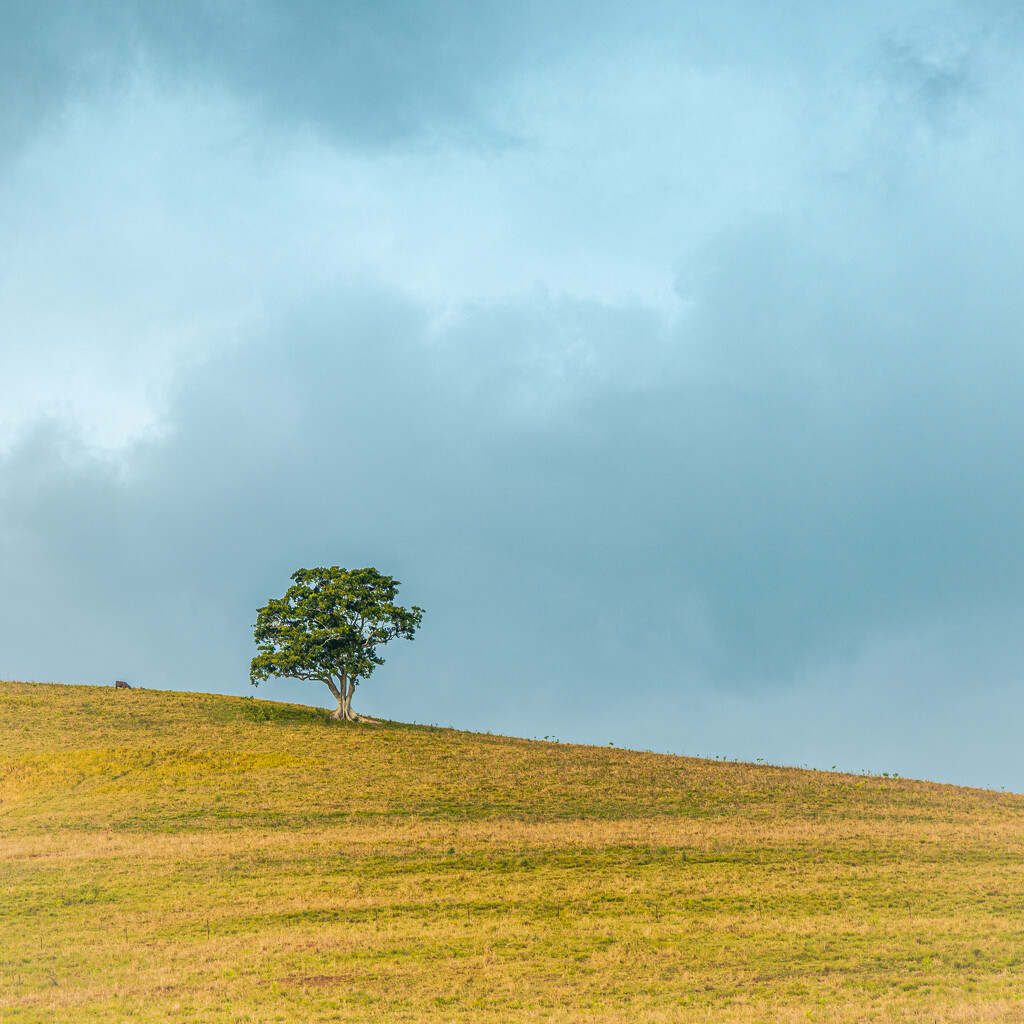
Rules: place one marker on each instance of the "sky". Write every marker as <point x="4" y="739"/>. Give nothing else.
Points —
<point x="670" y="354"/>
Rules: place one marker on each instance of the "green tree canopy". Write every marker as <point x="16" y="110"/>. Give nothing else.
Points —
<point x="328" y="627"/>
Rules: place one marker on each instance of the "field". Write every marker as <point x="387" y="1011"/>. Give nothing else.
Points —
<point x="182" y="857"/>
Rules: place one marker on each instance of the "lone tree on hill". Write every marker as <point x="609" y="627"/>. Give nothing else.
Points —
<point x="328" y="627"/>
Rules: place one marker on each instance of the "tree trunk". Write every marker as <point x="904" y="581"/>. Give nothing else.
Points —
<point x="344" y="712"/>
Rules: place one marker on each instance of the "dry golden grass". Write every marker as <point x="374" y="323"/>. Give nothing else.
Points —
<point x="170" y="857"/>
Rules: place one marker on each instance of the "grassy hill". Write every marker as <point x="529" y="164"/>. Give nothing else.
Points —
<point x="181" y="857"/>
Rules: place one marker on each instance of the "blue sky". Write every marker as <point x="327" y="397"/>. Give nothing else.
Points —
<point x="671" y="355"/>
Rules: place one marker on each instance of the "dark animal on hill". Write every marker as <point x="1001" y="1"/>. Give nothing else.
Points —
<point x="120" y="684"/>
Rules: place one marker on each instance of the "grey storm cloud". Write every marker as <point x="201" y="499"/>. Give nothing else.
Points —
<point x="376" y="74"/>
<point x="671" y="360"/>
<point x="364" y="73"/>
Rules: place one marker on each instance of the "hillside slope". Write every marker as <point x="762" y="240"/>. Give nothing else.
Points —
<point x="182" y="857"/>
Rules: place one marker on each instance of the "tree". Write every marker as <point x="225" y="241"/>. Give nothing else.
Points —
<point x="328" y="627"/>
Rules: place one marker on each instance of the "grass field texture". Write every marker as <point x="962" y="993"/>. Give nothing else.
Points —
<point x="183" y="857"/>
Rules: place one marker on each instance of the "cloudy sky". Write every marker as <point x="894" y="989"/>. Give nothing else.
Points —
<point x="671" y="354"/>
